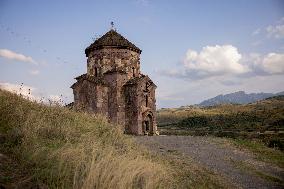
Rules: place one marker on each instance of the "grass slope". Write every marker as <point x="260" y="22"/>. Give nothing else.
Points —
<point x="263" y="120"/>
<point x="257" y="127"/>
<point x="263" y="115"/>
<point x="54" y="147"/>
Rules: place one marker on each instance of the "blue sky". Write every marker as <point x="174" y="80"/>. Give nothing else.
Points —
<point x="193" y="50"/>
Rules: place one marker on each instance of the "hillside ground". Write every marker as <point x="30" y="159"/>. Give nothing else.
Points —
<point x="53" y="147"/>
<point x="236" y="166"/>
<point x="262" y="121"/>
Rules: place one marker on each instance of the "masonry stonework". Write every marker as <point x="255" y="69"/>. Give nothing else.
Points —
<point x="114" y="86"/>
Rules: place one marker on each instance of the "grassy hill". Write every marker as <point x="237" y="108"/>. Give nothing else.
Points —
<point x="45" y="146"/>
<point x="50" y="146"/>
<point x="53" y="147"/>
<point x="262" y="120"/>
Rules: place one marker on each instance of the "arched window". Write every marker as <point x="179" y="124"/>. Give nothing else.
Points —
<point x="96" y="71"/>
<point x="133" y="71"/>
<point x="146" y="100"/>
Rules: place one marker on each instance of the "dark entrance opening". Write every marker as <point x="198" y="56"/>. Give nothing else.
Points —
<point x="147" y="125"/>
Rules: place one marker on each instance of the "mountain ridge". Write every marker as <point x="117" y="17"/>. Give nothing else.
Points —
<point x="239" y="97"/>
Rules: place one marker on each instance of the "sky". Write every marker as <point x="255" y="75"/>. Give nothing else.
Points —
<point x="192" y="49"/>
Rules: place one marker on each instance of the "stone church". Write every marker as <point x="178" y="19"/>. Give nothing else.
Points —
<point x="114" y="86"/>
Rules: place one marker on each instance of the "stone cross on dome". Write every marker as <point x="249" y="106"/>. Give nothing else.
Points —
<point x="112" y="26"/>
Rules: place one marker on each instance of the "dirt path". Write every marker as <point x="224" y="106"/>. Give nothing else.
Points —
<point x="237" y="167"/>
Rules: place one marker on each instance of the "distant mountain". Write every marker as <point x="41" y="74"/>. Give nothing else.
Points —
<point x="279" y="94"/>
<point x="239" y="97"/>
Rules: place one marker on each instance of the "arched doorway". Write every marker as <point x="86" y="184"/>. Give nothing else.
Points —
<point x="147" y="125"/>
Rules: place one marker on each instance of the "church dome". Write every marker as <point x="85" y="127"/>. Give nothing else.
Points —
<point x="112" y="39"/>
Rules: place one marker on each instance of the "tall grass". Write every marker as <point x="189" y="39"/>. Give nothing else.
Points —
<point x="66" y="149"/>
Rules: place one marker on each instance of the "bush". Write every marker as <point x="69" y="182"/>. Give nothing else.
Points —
<point x="276" y="143"/>
<point x="194" y="122"/>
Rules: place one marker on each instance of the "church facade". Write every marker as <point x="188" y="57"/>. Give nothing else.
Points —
<point x="114" y="86"/>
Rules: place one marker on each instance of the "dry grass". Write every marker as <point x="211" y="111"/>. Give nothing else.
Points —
<point x="65" y="149"/>
<point x="261" y="151"/>
<point x="270" y="110"/>
<point x="262" y="121"/>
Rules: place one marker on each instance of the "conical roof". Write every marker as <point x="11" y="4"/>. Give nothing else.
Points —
<point x="112" y="39"/>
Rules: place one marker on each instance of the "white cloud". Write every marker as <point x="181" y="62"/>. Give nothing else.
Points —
<point x="34" y="72"/>
<point x="215" y="60"/>
<point x="211" y="61"/>
<point x="273" y="63"/>
<point x="193" y="92"/>
<point x="269" y="64"/>
<point x="24" y="90"/>
<point x="276" y="31"/>
<point x="55" y="98"/>
<point x="225" y="62"/>
<point x="5" y="53"/>
<point x="32" y="93"/>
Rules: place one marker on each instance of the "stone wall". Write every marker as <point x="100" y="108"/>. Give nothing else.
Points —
<point x="131" y="109"/>
<point x="91" y="97"/>
<point x="105" y="60"/>
<point x="114" y="87"/>
<point x="147" y="104"/>
<point x="116" y="104"/>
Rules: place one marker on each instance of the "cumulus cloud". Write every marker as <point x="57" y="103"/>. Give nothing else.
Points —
<point x="268" y="64"/>
<point x="211" y="61"/>
<point x="24" y="90"/>
<point x="215" y="60"/>
<point x="276" y="30"/>
<point x="225" y="62"/>
<point x="8" y="54"/>
<point x="273" y="63"/>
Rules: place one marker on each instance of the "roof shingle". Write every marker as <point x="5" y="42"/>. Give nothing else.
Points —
<point x="112" y="39"/>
